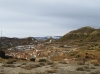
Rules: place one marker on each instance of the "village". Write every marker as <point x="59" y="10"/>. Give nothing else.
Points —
<point x="46" y="50"/>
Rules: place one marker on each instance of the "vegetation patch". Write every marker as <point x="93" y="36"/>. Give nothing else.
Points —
<point x="31" y="66"/>
<point x="80" y="69"/>
<point x="51" y="71"/>
<point x="8" y="65"/>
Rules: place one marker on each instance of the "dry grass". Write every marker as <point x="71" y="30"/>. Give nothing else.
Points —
<point x="2" y="60"/>
<point x="8" y="65"/>
<point x="80" y="63"/>
<point x="96" y="72"/>
<point x="50" y="63"/>
<point x="11" y="61"/>
<point x="42" y="60"/>
<point x="63" y="62"/>
<point x="80" y="69"/>
<point x="95" y="63"/>
<point x="31" y="66"/>
<point x="51" y="71"/>
<point x="41" y="73"/>
<point x="23" y="73"/>
<point x="42" y="63"/>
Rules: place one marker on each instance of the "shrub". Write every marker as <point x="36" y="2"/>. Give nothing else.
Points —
<point x="63" y="62"/>
<point x="23" y="73"/>
<point x="8" y="65"/>
<point x="2" y="60"/>
<point x="94" y="73"/>
<point x="2" y="54"/>
<point x="96" y="64"/>
<point x="23" y="63"/>
<point x="51" y="71"/>
<point x="42" y="64"/>
<point x="92" y="68"/>
<point x="80" y="63"/>
<point x="42" y="60"/>
<point x="50" y="63"/>
<point x="41" y="73"/>
<point x="32" y="59"/>
<point x="31" y="66"/>
<point x="80" y="69"/>
<point x="86" y="67"/>
<point x="10" y="61"/>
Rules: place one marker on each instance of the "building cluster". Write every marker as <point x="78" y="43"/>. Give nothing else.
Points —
<point x="41" y="50"/>
<point x="23" y="47"/>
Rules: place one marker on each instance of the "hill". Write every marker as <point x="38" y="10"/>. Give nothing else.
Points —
<point x="6" y="42"/>
<point x="85" y="34"/>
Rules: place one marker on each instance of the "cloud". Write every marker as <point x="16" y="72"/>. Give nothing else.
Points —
<point x="22" y="18"/>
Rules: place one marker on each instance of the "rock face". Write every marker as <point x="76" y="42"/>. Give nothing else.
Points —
<point x="82" y="34"/>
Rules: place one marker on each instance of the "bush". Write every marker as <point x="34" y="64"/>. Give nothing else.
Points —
<point x="80" y="69"/>
<point x="96" y="64"/>
<point x="94" y="73"/>
<point x="31" y="66"/>
<point x="42" y="64"/>
<point x="86" y="67"/>
<point x="32" y="59"/>
<point x="8" y="65"/>
<point x="50" y="63"/>
<point x="81" y="63"/>
<point x="23" y="73"/>
<point x="63" y="62"/>
<point x="42" y="60"/>
<point x="92" y="68"/>
<point x="51" y="71"/>
<point x="10" y="61"/>
<point x="2" y="54"/>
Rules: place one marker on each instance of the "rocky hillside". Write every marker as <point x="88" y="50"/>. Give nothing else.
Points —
<point x="85" y="34"/>
<point x="6" y="42"/>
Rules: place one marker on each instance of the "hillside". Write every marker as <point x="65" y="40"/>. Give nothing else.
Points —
<point x="77" y="52"/>
<point x="85" y="34"/>
<point x="6" y="42"/>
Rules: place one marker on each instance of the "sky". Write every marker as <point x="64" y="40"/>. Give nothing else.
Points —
<point x="38" y="18"/>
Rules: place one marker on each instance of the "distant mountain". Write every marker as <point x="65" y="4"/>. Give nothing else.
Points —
<point x="47" y="37"/>
<point x="85" y="34"/>
<point x="56" y="37"/>
<point x="41" y="38"/>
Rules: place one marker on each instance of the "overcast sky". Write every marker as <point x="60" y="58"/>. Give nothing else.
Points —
<point x="24" y="18"/>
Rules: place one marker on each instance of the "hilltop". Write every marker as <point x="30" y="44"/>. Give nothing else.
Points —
<point x="85" y="34"/>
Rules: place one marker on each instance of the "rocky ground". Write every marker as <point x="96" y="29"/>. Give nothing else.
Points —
<point x="28" y="67"/>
